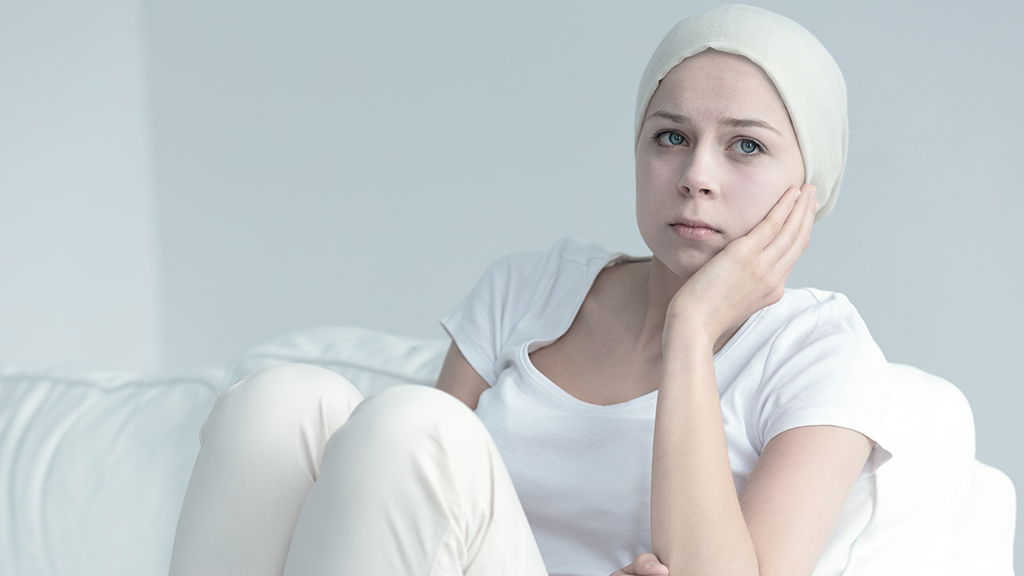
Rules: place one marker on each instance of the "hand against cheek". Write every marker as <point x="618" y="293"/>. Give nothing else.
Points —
<point x="646" y="564"/>
<point x="748" y="274"/>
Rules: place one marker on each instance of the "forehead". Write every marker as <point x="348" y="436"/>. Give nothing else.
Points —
<point x="712" y="84"/>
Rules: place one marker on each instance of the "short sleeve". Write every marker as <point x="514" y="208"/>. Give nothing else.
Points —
<point x="481" y="323"/>
<point x="824" y="368"/>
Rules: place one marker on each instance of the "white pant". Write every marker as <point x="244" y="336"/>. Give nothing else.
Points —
<point x="299" y="475"/>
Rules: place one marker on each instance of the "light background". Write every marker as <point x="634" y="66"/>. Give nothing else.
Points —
<point x="180" y="181"/>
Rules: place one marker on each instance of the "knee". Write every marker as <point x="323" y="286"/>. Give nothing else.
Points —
<point x="405" y="412"/>
<point x="418" y="405"/>
<point x="412" y="430"/>
<point x="284" y="394"/>
<point x="284" y="385"/>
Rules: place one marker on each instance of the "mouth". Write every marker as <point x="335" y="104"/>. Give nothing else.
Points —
<point x="693" y="232"/>
<point x="695" y="224"/>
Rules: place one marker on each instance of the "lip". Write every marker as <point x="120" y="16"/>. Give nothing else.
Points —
<point x="693" y="232"/>
<point x="693" y="229"/>
<point x="694" y="223"/>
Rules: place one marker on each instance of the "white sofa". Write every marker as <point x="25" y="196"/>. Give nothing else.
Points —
<point x="93" y="465"/>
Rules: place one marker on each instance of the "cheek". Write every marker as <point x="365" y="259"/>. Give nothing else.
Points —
<point x="796" y="167"/>
<point x="652" y="179"/>
<point x="751" y="187"/>
<point x="755" y="194"/>
<point x="649" y="172"/>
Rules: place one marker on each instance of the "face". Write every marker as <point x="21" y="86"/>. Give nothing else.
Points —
<point x="716" y="145"/>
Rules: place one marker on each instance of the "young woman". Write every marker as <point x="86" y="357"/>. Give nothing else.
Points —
<point x="682" y="412"/>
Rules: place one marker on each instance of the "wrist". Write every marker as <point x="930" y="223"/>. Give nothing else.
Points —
<point x="685" y="332"/>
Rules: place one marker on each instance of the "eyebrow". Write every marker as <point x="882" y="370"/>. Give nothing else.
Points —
<point x="733" y="122"/>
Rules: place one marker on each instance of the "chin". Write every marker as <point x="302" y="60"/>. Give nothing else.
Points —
<point x="686" y="267"/>
<point x="682" y="263"/>
<point x="678" y="256"/>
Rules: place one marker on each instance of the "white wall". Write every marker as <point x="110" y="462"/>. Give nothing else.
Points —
<point x="78" y="267"/>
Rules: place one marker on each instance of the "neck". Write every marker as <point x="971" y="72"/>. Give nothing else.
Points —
<point x="656" y="289"/>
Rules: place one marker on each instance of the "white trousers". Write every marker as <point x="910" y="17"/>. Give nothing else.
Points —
<point x="298" y="475"/>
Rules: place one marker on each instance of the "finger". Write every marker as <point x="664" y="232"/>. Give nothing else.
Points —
<point x="765" y="231"/>
<point x="656" y="570"/>
<point x="790" y="230"/>
<point x="647" y="564"/>
<point x="786" y="262"/>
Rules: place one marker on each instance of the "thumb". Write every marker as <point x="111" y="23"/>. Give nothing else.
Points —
<point x="647" y="564"/>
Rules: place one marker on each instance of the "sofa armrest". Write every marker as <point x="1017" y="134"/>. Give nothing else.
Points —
<point x="94" y="466"/>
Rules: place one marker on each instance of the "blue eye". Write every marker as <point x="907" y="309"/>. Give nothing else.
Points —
<point x="673" y="138"/>
<point x="749" y="147"/>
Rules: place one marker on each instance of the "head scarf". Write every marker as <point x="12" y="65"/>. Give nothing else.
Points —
<point x="804" y="73"/>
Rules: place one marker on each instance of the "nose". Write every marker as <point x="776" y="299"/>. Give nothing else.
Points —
<point x="697" y="177"/>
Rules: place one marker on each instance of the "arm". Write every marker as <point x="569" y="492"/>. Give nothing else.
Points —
<point x="697" y="525"/>
<point x="781" y="521"/>
<point x="460" y="379"/>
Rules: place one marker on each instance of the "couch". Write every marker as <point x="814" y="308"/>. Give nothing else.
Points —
<point x="94" y="464"/>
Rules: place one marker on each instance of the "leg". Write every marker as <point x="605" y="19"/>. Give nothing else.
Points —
<point x="413" y="484"/>
<point x="260" y="454"/>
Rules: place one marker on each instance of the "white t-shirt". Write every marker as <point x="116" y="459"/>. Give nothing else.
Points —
<point x="583" y="471"/>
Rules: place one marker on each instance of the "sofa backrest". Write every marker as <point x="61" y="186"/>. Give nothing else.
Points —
<point x="372" y="360"/>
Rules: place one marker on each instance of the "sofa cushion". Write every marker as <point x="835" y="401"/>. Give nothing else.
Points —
<point x="94" y="465"/>
<point x="925" y="495"/>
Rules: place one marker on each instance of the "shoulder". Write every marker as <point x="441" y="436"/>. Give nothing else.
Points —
<point x="822" y="367"/>
<point x="795" y="300"/>
<point x="811" y="330"/>
<point x="572" y="249"/>
<point x="806" y="309"/>
<point x="819" y="330"/>
<point x="564" y="252"/>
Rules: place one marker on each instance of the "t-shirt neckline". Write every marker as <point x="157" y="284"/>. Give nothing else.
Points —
<point x="539" y="377"/>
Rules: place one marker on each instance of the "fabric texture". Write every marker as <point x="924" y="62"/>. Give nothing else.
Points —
<point x="299" y="475"/>
<point x="804" y="73"/>
<point x="93" y="464"/>
<point x="805" y="360"/>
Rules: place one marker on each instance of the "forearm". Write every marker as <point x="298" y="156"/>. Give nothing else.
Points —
<point x="697" y="525"/>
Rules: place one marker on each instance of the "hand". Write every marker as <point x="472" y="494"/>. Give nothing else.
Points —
<point x="749" y="273"/>
<point x="640" y="567"/>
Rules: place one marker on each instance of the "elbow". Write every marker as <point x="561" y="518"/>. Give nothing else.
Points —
<point x="737" y="567"/>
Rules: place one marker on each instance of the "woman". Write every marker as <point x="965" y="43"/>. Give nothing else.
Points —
<point x="763" y="404"/>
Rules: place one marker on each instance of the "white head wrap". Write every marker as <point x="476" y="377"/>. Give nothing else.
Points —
<point x="804" y="73"/>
